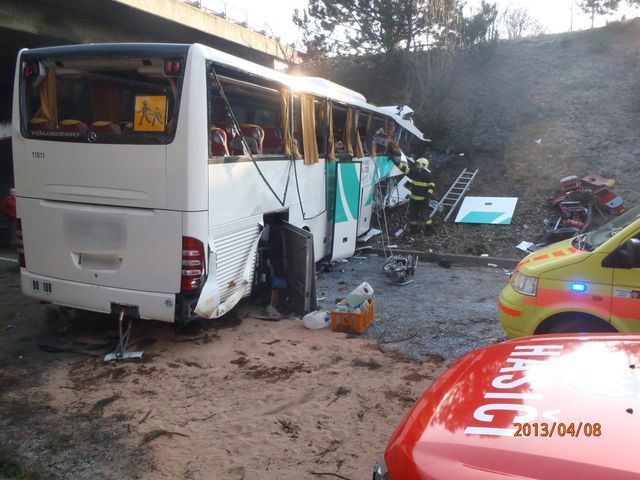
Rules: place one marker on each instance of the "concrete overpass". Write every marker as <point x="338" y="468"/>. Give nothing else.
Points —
<point x="37" y="23"/>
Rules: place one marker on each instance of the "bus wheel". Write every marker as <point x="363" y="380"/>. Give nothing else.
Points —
<point x="574" y="323"/>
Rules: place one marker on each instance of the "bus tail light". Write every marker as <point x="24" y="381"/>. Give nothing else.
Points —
<point x="193" y="263"/>
<point x="21" y="260"/>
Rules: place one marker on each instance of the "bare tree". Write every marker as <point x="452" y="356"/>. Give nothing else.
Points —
<point x="518" y="22"/>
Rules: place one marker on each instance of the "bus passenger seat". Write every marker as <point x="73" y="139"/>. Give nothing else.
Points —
<point x="273" y="141"/>
<point x="228" y="129"/>
<point x="38" y="124"/>
<point x="106" y="127"/>
<point x="256" y="132"/>
<point x="73" y="126"/>
<point x="218" y="140"/>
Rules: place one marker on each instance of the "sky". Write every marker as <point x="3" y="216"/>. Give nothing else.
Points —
<point x="555" y="15"/>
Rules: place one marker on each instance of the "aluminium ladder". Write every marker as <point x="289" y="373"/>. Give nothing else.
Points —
<point x="454" y="195"/>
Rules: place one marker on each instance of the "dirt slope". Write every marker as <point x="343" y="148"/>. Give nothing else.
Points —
<point x="529" y="112"/>
<point x="525" y="113"/>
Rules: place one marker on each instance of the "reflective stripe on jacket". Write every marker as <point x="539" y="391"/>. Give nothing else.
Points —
<point x="421" y="179"/>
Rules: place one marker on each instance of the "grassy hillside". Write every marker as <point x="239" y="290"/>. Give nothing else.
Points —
<point x="525" y="113"/>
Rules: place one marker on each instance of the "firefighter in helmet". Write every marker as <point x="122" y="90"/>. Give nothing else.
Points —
<point x="422" y="188"/>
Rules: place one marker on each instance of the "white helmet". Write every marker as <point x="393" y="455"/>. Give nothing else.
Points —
<point x="423" y="163"/>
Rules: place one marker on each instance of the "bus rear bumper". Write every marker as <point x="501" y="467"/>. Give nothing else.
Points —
<point x="96" y="298"/>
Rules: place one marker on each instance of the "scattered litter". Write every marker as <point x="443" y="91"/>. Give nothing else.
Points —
<point x="538" y="141"/>
<point x="399" y="233"/>
<point x="316" y="320"/>
<point x="489" y="210"/>
<point x="484" y="254"/>
<point x="493" y="265"/>
<point x="461" y="155"/>
<point x="524" y="246"/>
<point x="359" y="257"/>
<point x="368" y="235"/>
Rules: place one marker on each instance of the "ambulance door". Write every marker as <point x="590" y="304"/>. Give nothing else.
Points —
<point x="625" y="304"/>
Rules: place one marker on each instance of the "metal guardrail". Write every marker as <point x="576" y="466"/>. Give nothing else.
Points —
<point x="222" y="9"/>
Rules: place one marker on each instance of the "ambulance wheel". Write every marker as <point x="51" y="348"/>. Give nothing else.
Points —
<point x="574" y="323"/>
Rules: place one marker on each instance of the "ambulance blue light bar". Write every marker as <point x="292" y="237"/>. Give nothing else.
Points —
<point x="578" y="287"/>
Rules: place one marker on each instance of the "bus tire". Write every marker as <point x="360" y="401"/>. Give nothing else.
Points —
<point x="574" y="322"/>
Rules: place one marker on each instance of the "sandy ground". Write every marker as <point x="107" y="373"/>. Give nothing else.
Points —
<point x="229" y="399"/>
<point x="235" y="398"/>
<point x="255" y="400"/>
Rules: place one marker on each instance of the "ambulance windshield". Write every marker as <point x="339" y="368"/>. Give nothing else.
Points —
<point x="593" y="240"/>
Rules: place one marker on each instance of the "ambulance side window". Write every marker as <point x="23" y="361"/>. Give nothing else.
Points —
<point x="626" y="255"/>
<point x="634" y="251"/>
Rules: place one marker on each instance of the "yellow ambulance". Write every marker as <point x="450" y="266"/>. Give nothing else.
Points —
<point x="590" y="283"/>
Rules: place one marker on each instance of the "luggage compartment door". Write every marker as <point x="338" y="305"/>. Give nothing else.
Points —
<point x="299" y="267"/>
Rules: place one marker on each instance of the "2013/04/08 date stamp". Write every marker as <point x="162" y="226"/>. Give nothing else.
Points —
<point x="558" y="429"/>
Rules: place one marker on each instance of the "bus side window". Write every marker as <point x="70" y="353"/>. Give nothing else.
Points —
<point x="364" y="129"/>
<point x="380" y="139"/>
<point x="339" y="120"/>
<point x="321" y="125"/>
<point x="250" y="120"/>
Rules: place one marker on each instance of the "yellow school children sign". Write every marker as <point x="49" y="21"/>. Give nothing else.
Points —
<point x="150" y="114"/>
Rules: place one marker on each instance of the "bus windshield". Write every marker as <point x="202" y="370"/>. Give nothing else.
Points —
<point x="105" y="100"/>
<point x="592" y="240"/>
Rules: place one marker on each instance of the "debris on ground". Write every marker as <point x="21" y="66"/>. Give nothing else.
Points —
<point x="488" y="210"/>
<point x="400" y="269"/>
<point x="316" y="320"/>
<point x="577" y="197"/>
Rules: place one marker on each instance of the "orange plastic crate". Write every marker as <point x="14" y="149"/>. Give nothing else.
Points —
<point x="351" y="322"/>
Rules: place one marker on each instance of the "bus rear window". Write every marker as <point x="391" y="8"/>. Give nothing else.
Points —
<point x="127" y="101"/>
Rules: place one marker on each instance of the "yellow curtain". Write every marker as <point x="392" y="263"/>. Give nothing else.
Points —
<point x="286" y="123"/>
<point x="348" y="132"/>
<point x="368" y="135"/>
<point x="359" y="150"/>
<point x="331" y="144"/>
<point x="48" y="97"/>
<point x="309" y="141"/>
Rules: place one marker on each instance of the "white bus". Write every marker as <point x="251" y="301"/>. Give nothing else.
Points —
<point x="148" y="176"/>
